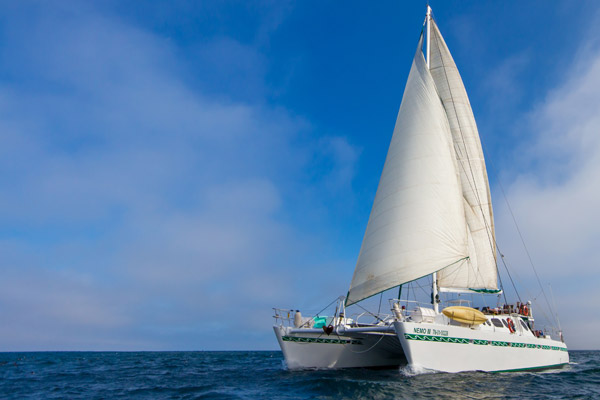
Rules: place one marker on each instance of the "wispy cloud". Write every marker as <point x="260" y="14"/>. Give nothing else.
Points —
<point x="556" y="198"/>
<point x="153" y="197"/>
<point x="138" y="212"/>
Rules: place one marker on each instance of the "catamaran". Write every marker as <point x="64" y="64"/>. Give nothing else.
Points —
<point x="432" y="216"/>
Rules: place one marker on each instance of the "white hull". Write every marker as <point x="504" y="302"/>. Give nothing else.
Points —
<point x="451" y="348"/>
<point x="304" y="350"/>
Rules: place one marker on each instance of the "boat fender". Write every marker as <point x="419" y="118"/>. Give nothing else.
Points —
<point x="297" y="319"/>
<point x="328" y="329"/>
<point x="511" y="325"/>
<point x="397" y="312"/>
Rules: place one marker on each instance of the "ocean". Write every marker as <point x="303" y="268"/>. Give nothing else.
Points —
<point x="261" y="375"/>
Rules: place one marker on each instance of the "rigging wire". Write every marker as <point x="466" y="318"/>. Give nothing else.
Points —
<point x="519" y="232"/>
<point x="509" y="275"/>
<point x="376" y="316"/>
<point x="327" y="306"/>
<point x="555" y="310"/>
<point x="500" y="279"/>
<point x="422" y="289"/>
<point x="528" y="293"/>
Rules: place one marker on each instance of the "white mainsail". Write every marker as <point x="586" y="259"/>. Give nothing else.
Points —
<point x="417" y="224"/>
<point x="480" y="271"/>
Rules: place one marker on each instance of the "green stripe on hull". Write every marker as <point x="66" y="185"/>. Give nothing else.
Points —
<point x="299" y="339"/>
<point x="481" y="342"/>
<point x="534" y="368"/>
<point x="436" y="338"/>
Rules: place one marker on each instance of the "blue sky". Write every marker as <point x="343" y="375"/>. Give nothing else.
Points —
<point x="172" y="171"/>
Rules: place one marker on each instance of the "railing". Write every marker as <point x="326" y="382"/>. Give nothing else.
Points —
<point x="406" y="308"/>
<point x="506" y="310"/>
<point x="287" y="317"/>
<point x="284" y="317"/>
<point x="377" y="318"/>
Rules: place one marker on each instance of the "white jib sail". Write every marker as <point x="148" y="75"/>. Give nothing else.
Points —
<point x="480" y="271"/>
<point x="417" y="223"/>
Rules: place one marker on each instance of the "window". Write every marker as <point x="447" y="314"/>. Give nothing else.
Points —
<point x="524" y="325"/>
<point x="496" y="322"/>
<point x="505" y="323"/>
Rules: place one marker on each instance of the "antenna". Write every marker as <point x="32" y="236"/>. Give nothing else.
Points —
<point x="428" y="22"/>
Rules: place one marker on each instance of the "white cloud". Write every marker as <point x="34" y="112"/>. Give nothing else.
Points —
<point x="139" y="213"/>
<point x="502" y="86"/>
<point x="556" y="200"/>
<point x="342" y="157"/>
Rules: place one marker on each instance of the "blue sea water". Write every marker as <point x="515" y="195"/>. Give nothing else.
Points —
<point x="261" y="375"/>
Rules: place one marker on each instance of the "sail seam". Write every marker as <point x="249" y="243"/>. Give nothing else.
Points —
<point x="473" y="184"/>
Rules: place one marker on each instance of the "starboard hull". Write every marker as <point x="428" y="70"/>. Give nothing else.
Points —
<point x="356" y="350"/>
<point x="449" y="348"/>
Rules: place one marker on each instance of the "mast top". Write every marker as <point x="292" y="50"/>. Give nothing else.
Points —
<point x="428" y="24"/>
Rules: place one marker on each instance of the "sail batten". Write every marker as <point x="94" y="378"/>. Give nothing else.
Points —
<point x="417" y="224"/>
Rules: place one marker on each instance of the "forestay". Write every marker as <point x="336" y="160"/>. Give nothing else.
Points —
<point x="417" y="223"/>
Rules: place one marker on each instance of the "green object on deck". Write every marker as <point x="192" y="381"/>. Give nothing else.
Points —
<point x="319" y="322"/>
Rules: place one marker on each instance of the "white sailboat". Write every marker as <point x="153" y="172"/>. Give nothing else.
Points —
<point x="432" y="215"/>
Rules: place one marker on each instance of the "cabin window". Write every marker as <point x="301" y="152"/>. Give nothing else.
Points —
<point x="505" y="323"/>
<point x="488" y="323"/>
<point x="496" y="322"/>
<point x="524" y="325"/>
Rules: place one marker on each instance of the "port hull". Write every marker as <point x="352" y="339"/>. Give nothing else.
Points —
<point x="313" y="350"/>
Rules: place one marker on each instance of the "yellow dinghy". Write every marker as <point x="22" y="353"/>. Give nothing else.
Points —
<point x="465" y="315"/>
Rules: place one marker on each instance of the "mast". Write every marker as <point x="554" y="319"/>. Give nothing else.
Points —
<point x="427" y="21"/>
<point x="434" y="288"/>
